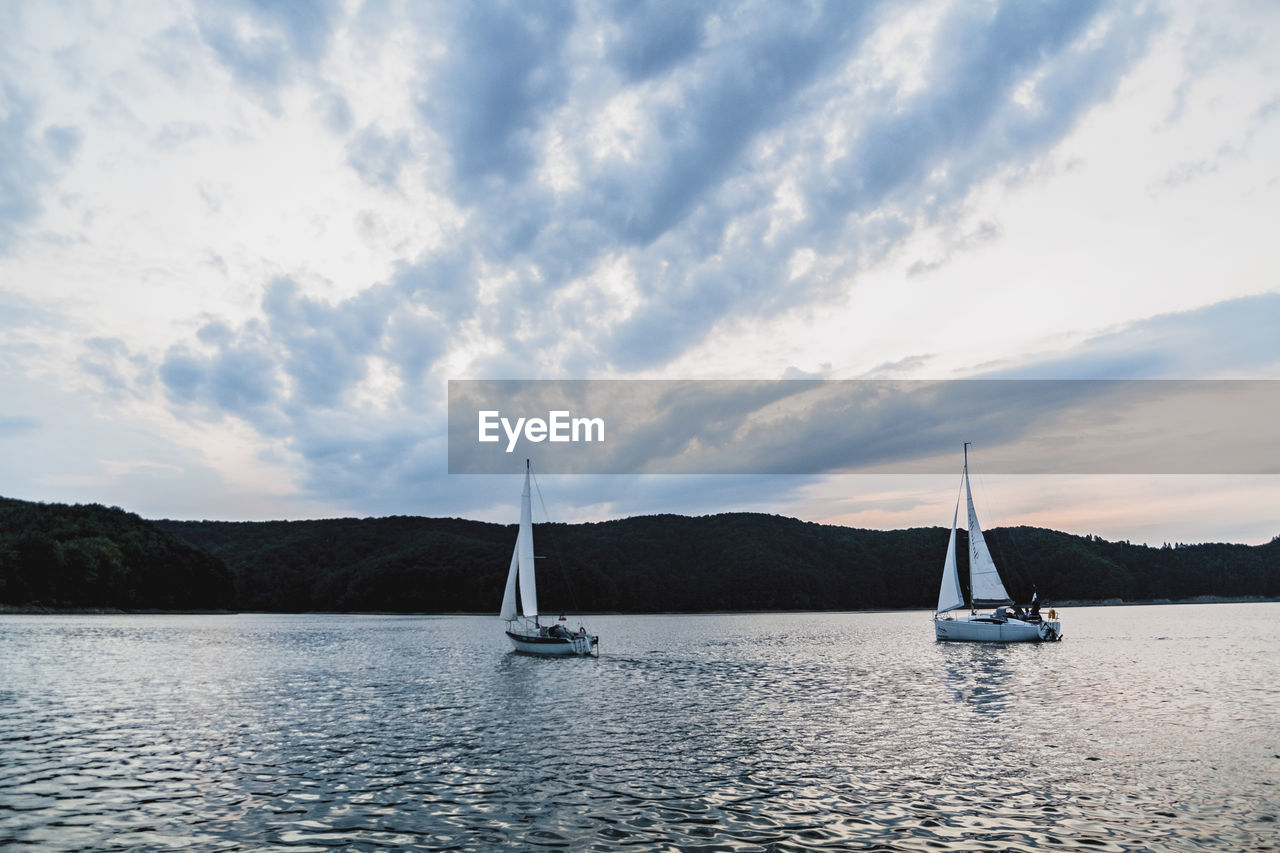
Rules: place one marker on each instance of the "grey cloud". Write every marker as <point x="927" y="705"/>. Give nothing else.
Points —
<point x="118" y="369"/>
<point x="305" y="353"/>
<point x="911" y="163"/>
<point x="291" y="374"/>
<point x="285" y="33"/>
<point x="730" y="106"/>
<point x="1235" y="149"/>
<point x="11" y="425"/>
<point x="63" y="141"/>
<point x="175" y="134"/>
<point x="722" y="107"/>
<point x="238" y="379"/>
<point x="986" y="232"/>
<point x="793" y="372"/>
<point x="335" y="112"/>
<point x="379" y="158"/>
<point x="653" y="36"/>
<point x="690" y="207"/>
<point x="1231" y="338"/>
<point x="29" y="159"/>
<point x="324" y="347"/>
<point x="966" y="122"/>
<point x="902" y="368"/>
<point x="414" y="343"/>
<point x="18" y="312"/>
<point x="503" y="74"/>
<point x="444" y="282"/>
<point x="182" y="374"/>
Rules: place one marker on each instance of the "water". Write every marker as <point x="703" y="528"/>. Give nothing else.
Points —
<point x="1148" y="728"/>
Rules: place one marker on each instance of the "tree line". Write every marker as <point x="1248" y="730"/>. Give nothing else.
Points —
<point x="97" y="556"/>
<point x="103" y="557"/>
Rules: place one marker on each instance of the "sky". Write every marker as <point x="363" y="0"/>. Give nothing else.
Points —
<point x="245" y="245"/>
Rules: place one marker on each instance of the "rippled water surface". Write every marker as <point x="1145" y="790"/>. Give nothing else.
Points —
<point x="1148" y="728"/>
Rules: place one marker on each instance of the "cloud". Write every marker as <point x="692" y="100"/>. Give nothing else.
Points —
<point x="650" y="38"/>
<point x="1002" y="88"/>
<point x="31" y="157"/>
<point x="119" y="370"/>
<point x="503" y="74"/>
<point x="346" y="385"/>
<point x="335" y="112"/>
<point x="1235" y="338"/>
<point x="11" y="425"/>
<point x="552" y="189"/>
<point x="1229" y="152"/>
<point x="261" y="42"/>
<point x="657" y="139"/>
<point x="379" y="158"/>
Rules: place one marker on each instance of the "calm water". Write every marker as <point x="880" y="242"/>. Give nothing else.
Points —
<point x="1148" y="728"/>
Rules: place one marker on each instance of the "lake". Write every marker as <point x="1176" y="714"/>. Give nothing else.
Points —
<point x="1147" y="728"/>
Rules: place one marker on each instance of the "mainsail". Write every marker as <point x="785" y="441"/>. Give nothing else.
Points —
<point x="985" y="586"/>
<point x="950" y="597"/>
<point x="522" y="563"/>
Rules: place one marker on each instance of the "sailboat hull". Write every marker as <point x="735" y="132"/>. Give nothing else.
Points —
<point x="985" y="629"/>
<point x="533" y="644"/>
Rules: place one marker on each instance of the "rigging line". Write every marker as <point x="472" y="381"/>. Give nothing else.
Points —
<point x="555" y="545"/>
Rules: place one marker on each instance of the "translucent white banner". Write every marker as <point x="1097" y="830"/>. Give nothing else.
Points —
<point x="864" y="426"/>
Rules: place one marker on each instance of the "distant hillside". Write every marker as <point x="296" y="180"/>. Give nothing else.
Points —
<point x="94" y="556"/>
<point x="738" y="561"/>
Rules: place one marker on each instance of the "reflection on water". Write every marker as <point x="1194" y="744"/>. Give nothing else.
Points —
<point x="1148" y="728"/>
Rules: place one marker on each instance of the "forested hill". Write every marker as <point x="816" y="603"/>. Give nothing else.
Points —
<point x="736" y="561"/>
<point x="94" y="556"/>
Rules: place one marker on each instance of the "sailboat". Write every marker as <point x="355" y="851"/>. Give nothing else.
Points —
<point x="986" y="590"/>
<point x="526" y="632"/>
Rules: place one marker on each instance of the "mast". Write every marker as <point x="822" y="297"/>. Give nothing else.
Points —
<point x="524" y="547"/>
<point x="985" y="587"/>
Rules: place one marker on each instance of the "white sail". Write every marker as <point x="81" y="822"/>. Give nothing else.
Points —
<point x="950" y="596"/>
<point x="985" y="586"/>
<point x="508" y="611"/>
<point x="524" y="553"/>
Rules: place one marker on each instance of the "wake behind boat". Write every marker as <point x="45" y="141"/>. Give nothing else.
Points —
<point x="525" y="631"/>
<point x="1002" y="625"/>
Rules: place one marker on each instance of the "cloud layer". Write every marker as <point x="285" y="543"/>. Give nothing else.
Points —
<point x="290" y="224"/>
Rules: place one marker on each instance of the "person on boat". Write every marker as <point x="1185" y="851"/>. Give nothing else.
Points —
<point x="1035" y="610"/>
<point x="582" y="631"/>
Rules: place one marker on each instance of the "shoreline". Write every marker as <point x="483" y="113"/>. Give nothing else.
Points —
<point x="41" y="609"/>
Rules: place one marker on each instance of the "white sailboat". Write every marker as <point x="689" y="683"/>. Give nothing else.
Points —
<point x="527" y="633"/>
<point x="1002" y="625"/>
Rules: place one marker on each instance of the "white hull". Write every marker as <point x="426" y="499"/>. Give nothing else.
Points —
<point x="532" y="644"/>
<point x="986" y="629"/>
